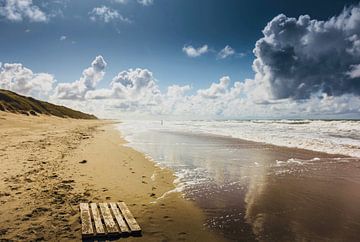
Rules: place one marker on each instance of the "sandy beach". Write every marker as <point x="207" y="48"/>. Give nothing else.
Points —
<point x="42" y="182"/>
<point x="231" y="189"/>
<point x="199" y="121"/>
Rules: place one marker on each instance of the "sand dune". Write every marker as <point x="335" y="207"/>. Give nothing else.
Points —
<point x="42" y="181"/>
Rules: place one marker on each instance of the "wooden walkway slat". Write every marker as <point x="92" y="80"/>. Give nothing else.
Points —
<point x="133" y="225"/>
<point x="86" y="225"/>
<point x="119" y="219"/>
<point x="99" y="228"/>
<point x="108" y="219"/>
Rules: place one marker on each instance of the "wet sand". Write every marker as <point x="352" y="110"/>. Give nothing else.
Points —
<point x="42" y="182"/>
<point x="257" y="192"/>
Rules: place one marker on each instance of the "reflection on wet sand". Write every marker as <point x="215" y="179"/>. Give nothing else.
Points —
<point x="314" y="201"/>
<point x="252" y="191"/>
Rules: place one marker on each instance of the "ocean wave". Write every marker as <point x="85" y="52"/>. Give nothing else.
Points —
<point x="329" y="136"/>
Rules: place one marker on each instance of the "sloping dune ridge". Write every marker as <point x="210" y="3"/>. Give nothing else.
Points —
<point x="15" y="103"/>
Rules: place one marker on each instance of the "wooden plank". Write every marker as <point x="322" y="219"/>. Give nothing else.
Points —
<point x="86" y="225"/>
<point x="108" y="219"/>
<point x="99" y="228"/>
<point x="119" y="219"/>
<point x="133" y="225"/>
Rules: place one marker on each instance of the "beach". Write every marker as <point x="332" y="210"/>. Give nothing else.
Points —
<point x="161" y="121"/>
<point x="180" y="184"/>
<point x="49" y="165"/>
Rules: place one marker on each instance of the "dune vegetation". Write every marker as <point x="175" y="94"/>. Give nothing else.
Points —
<point x="15" y="103"/>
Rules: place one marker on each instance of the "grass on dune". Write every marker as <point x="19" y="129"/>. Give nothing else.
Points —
<point x="15" y="103"/>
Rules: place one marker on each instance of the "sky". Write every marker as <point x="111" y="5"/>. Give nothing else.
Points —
<point x="185" y="59"/>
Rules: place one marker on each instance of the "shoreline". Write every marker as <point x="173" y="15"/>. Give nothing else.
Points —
<point x="43" y="184"/>
<point x="333" y="137"/>
<point x="248" y="189"/>
<point x="43" y="181"/>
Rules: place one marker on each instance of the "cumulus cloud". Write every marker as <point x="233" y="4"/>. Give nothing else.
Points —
<point x="303" y="56"/>
<point x="134" y="84"/>
<point x="354" y="71"/>
<point x="303" y="68"/>
<point x="18" y="10"/>
<point x="62" y="38"/>
<point x="195" y="52"/>
<point x="106" y="15"/>
<point x="133" y="90"/>
<point x="226" y="52"/>
<point x="216" y="90"/>
<point x="17" y="78"/>
<point x="90" y="77"/>
<point x="175" y="91"/>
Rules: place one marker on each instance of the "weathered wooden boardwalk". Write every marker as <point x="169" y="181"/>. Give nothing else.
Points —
<point x="107" y="219"/>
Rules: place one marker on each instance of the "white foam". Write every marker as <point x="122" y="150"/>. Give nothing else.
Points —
<point x="293" y="161"/>
<point x="334" y="137"/>
<point x="177" y="189"/>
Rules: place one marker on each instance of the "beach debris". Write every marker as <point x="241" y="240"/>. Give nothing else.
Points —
<point x="83" y="161"/>
<point x="107" y="219"/>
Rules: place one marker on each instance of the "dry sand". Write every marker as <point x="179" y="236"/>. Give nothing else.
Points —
<point x="42" y="182"/>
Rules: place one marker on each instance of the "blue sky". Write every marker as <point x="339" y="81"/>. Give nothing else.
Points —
<point x="149" y="35"/>
<point x="153" y="40"/>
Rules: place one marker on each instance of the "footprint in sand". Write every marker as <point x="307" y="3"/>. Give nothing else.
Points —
<point x="37" y="212"/>
<point x="4" y="194"/>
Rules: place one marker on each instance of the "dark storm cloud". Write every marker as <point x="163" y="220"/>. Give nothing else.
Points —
<point x="299" y="57"/>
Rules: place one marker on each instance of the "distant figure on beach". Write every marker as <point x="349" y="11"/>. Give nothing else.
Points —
<point x="162" y="122"/>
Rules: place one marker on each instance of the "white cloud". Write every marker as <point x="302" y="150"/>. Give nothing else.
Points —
<point x="135" y="93"/>
<point x="17" y="78"/>
<point x="175" y="91"/>
<point x="120" y="1"/>
<point x="106" y="15"/>
<point x="18" y="10"/>
<point x="134" y="84"/>
<point x="226" y="52"/>
<point x="90" y="77"/>
<point x="62" y="38"/>
<point x="354" y="71"/>
<point x="145" y="2"/>
<point x="216" y="90"/>
<point x="142" y="2"/>
<point x="132" y="90"/>
<point x="195" y="52"/>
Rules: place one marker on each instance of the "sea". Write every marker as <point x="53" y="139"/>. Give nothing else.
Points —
<point x="261" y="180"/>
